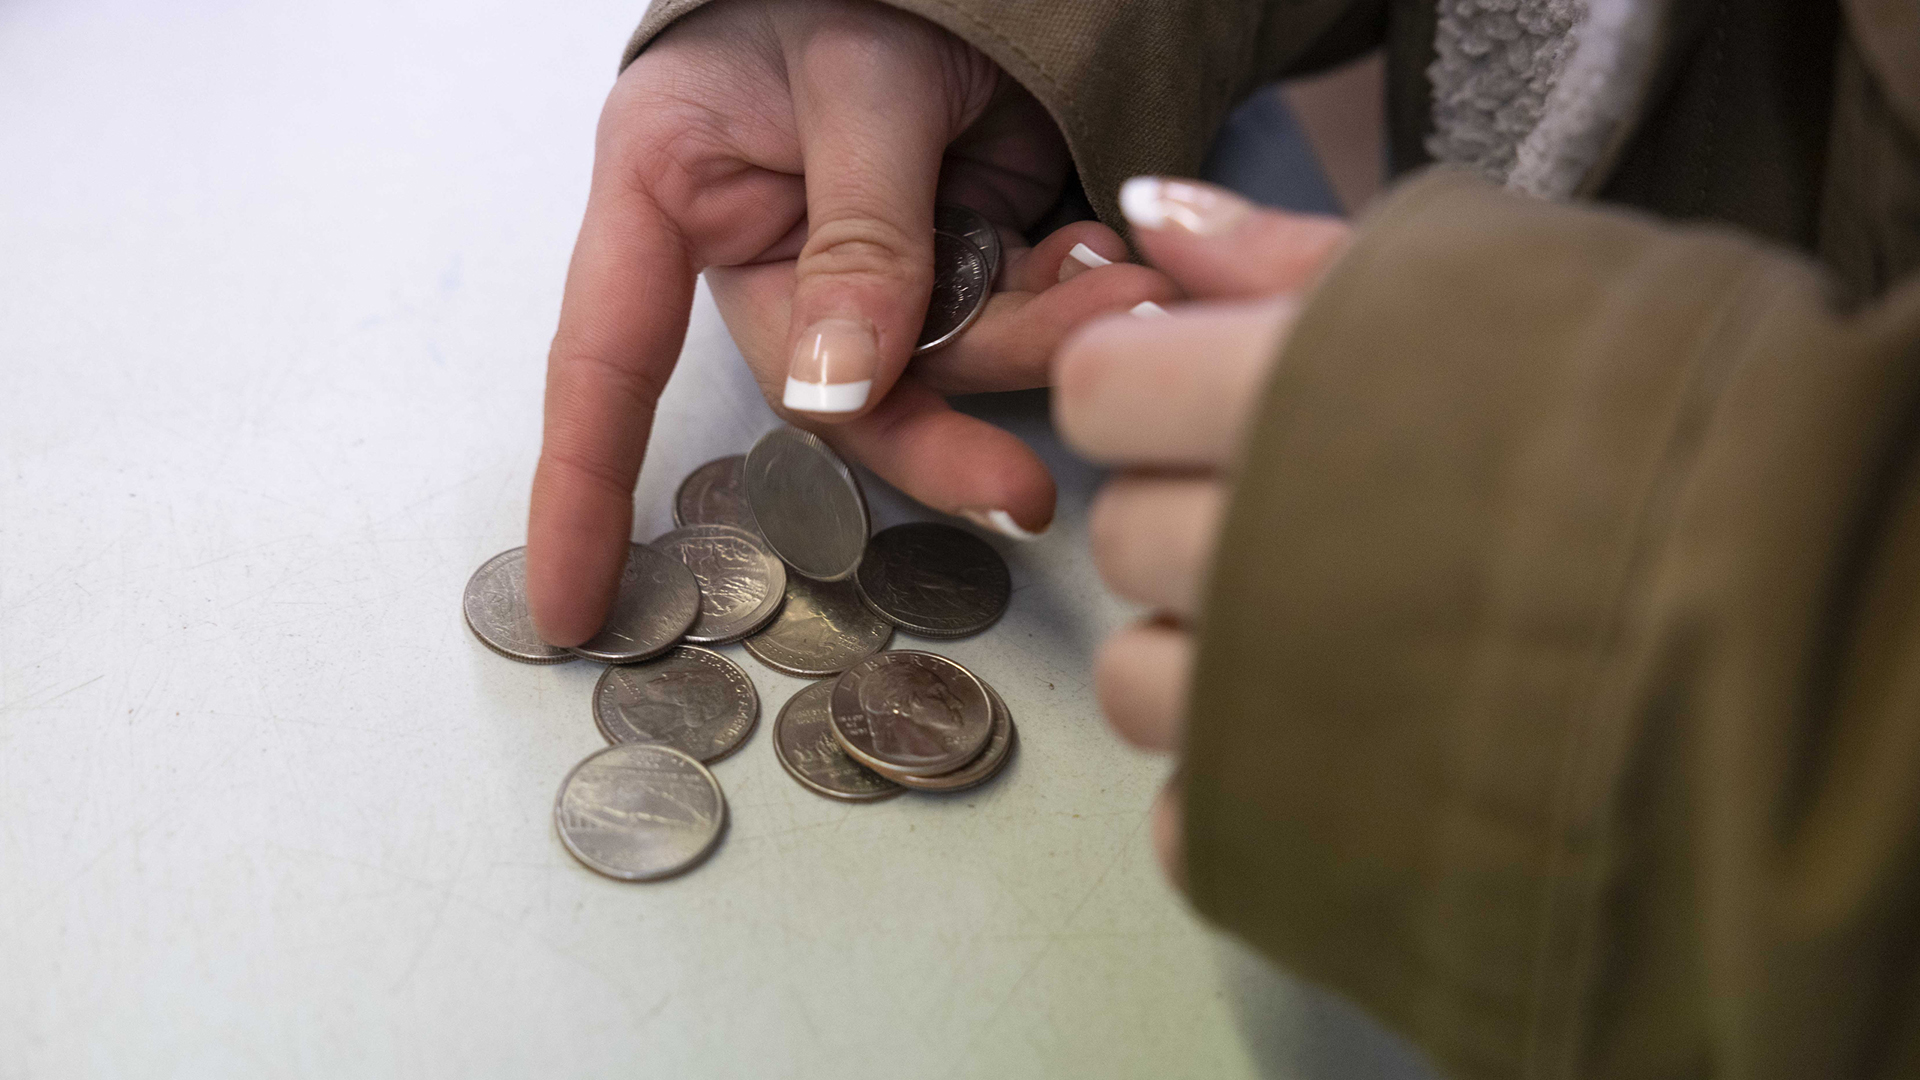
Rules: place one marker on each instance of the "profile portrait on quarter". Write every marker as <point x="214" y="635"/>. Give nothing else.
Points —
<point x="692" y="699"/>
<point x="935" y="580"/>
<point x="639" y="812"/>
<point x="911" y="712"/>
<point x="991" y="762"/>
<point x="656" y="604"/>
<point x="741" y="582"/>
<point x="495" y="605"/>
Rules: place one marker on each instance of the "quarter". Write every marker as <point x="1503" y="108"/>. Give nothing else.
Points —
<point x="639" y="812"/>
<point x="495" y="604"/>
<point x="807" y="504"/>
<point x="967" y="223"/>
<point x="803" y="741"/>
<point x="657" y="602"/>
<point x="823" y="629"/>
<point x="934" y="580"/>
<point x="690" y="699"/>
<point x="741" y="582"/>
<point x="711" y="495"/>
<point x="960" y="288"/>
<point x="911" y="712"/>
<point x="994" y="758"/>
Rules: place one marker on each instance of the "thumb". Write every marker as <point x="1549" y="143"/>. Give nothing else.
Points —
<point x="872" y="124"/>
<point x="1217" y="245"/>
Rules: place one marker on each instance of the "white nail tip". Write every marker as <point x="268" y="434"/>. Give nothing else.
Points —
<point x="825" y="397"/>
<point x="1088" y="257"/>
<point x="1147" y="309"/>
<point x="1001" y="522"/>
<point x="1141" y="202"/>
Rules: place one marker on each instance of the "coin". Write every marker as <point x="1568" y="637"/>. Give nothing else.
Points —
<point x="911" y="712"/>
<point x="960" y="288"/>
<point x="495" y="604"/>
<point x="966" y="223"/>
<point x="637" y="811"/>
<point x="711" y="495"/>
<point x="994" y="758"/>
<point x="741" y="582"/>
<point x="807" y="503"/>
<point x="803" y="741"/>
<point x="823" y="629"/>
<point x="657" y="602"/>
<point x="934" y="580"/>
<point x="690" y="699"/>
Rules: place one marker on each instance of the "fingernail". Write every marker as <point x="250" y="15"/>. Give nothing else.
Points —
<point x="1080" y="260"/>
<point x="832" y="368"/>
<point x="1147" y="309"/>
<point x="1150" y="202"/>
<point x="1001" y="522"/>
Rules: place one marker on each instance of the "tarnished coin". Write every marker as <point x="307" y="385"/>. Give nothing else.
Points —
<point x="741" y="582"/>
<point x="960" y="287"/>
<point x="496" y="608"/>
<point x="803" y="741"/>
<point x="807" y="504"/>
<point x="690" y="699"/>
<point x="637" y="811"/>
<point x="994" y="758"/>
<point x="935" y="580"/>
<point x="911" y="712"/>
<point x="711" y="495"/>
<point x="657" y="602"/>
<point x="965" y="222"/>
<point x="823" y="629"/>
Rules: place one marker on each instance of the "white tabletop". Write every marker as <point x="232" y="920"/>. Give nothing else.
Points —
<point x="276" y="283"/>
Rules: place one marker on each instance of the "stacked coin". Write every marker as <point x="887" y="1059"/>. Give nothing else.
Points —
<point x="921" y="720"/>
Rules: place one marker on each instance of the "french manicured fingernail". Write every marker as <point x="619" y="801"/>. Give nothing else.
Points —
<point x="1147" y="309"/>
<point x="1001" y="522"/>
<point x="1151" y="202"/>
<point x="1080" y="260"/>
<point x="832" y="368"/>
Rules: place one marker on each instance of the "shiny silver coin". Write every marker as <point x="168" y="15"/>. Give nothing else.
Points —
<point x="657" y="602"/>
<point x="711" y="495"/>
<point x="495" y="604"/>
<point x="638" y="812"/>
<point x="690" y="699"/>
<point x="803" y="741"/>
<point x="741" y="582"/>
<point x="934" y="580"/>
<point x="823" y="629"/>
<point x="807" y="504"/>
<point x="967" y="223"/>
<point x="994" y="758"/>
<point x="911" y="712"/>
<point x="961" y="285"/>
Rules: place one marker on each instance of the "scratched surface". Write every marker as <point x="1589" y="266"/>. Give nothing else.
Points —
<point x="275" y="289"/>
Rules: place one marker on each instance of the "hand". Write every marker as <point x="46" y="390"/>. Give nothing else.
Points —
<point x="1166" y="401"/>
<point x="794" y="150"/>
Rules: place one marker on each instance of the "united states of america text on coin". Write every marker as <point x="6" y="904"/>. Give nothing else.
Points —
<point x="495" y="604"/>
<point x="639" y="811"/>
<point x="803" y="741"/>
<point x="988" y="765"/>
<point x="656" y="603"/>
<point x="823" y="629"/>
<point x="968" y="224"/>
<point x="960" y="290"/>
<point x="807" y="503"/>
<point x="711" y="495"/>
<point x="691" y="699"/>
<point x="911" y="712"/>
<point x="934" y="580"/>
<point x="741" y="582"/>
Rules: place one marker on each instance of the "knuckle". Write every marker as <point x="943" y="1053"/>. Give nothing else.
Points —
<point x="1108" y="536"/>
<point x="862" y="246"/>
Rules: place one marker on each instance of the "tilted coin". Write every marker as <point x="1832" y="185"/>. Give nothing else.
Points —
<point x="637" y="811"/>
<point x="495" y="604"/>
<point x="690" y="699"/>
<point x="994" y="758"/>
<point x="934" y="580"/>
<point x="911" y="712"/>
<point x="960" y="288"/>
<point x="823" y="629"/>
<point x="807" y="504"/>
<point x="656" y="604"/>
<point x="803" y="741"/>
<point x="967" y="223"/>
<point x="711" y="495"/>
<point x="741" y="582"/>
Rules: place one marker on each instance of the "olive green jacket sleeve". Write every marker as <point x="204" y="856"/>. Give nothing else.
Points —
<point x="1558" y="695"/>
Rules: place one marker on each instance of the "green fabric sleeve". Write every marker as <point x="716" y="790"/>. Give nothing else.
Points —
<point x="1135" y="87"/>
<point x="1558" y="688"/>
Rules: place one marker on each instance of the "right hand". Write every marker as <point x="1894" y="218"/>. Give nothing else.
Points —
<point x="794" y="150"/>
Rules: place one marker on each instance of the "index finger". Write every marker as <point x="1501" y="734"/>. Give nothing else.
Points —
<point x="622" y="320"/>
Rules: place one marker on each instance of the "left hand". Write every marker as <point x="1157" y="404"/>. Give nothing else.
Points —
<point x="1165" y="400"/>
